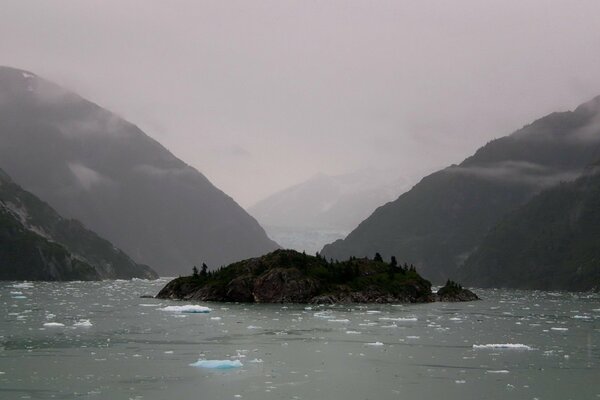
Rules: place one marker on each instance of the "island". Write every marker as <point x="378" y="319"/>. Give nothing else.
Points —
<point x="287" y="276"/>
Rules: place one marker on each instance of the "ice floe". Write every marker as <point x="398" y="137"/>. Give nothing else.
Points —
<point x="408" y="319"/>
<point x="510" y="346"/>
<point x="53" y="324"/>
<point x="191" y="309"/>
<point x="217" y="364"/>
<point x="83" y="323"/>
<point x="374" y="344"/>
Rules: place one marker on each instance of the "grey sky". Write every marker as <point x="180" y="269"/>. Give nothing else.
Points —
<point x="259" y="95"/>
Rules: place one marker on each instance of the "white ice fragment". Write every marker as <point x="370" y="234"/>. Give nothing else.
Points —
<point x="498" y="371"/>
<point x="343" y="320"/>
<point x="190" y="309"/>
<point x="217" y="364"/>
<point x="510" y="346"/>
<point x="352" y="332"/>
<point x="83" y="323"/>
<point x="374" y="344"/>
<point x="559" y="329"/>
<point x="215" y="318"/>
<point x="253" y="327"/>
<point x="256" y="361"/>
<point x="23" y="285"/>
<point x="409" y="319"/>
<point x="53" y="324"/>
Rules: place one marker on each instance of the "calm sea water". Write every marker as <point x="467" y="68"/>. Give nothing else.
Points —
<point x="101" y="341"/>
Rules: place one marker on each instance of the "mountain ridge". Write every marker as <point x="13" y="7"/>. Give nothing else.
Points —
<point x="440" y="221"/>
<point x="92" y="165"/>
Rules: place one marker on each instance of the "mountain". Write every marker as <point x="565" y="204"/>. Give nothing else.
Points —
<point x="441" y="220"/>
<point x="550" y="243"/>
<point x="329" y="202"/>
<point x="308" y="215"/>
<point x="38" y="244"/>
<point x="92" y="165"/>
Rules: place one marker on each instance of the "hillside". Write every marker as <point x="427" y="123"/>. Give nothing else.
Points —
<point x="441" y="220"/>
<point x="92" y="165"/>
<point x="38" y="244"/>
<point x="551" y="243"/>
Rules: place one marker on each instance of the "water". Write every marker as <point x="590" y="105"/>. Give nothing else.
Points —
<point x="115" y="345"/>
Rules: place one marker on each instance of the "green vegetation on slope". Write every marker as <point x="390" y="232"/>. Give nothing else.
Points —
<point x="552" y="242"/>
<point x="57" y="248"/>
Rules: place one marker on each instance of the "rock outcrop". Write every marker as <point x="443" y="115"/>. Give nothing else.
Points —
<point x="286" y="276"/>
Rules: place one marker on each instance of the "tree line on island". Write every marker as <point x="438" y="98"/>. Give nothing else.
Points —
<point x="288" y="276"/>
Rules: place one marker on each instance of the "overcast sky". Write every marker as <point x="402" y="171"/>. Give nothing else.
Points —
<point x="260" y="95"/>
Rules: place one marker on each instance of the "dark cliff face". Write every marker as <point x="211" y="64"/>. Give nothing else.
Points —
<point x="286" y="276"/>
<point x="441" y="220"/>
<point x="38" y="244"/>
<point x="92" y="165"/>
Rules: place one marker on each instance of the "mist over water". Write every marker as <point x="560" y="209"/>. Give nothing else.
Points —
<point x="99" y="340"/>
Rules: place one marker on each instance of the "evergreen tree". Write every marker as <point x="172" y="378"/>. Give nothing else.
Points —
<point x="204" y="270"/>
<point x="195" y="272"/>
<point x="378" y="257"/>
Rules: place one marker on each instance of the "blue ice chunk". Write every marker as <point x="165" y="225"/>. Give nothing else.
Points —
<point x="217" y="364"/>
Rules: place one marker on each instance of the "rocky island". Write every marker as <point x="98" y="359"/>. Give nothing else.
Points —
<point x="287" y="276"/>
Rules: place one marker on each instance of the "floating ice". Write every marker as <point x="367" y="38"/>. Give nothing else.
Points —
<point x="498" y="371"/>
<point x="83" y="323"/>
<point x="191" y="309"/>
<point x="409" y="319"/>
<point x="23" y="285"/>
<point x="511" y="346"/>
<point x="19" y="297"/>
<point x="344" y="320"/>
<point x="215" y="318"/>
<point x="217" y="364"/>
<point x="559" y="329"/>
<point x="374" y="344"/>
<point x="53" y="324"/>
<point x="581" y="317"/>
<point x="353" y="332"/>
<point x="256" y="361"/>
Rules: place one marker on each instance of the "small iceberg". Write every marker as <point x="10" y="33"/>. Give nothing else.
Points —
<point x="374" y="344"/>
<point x="53" y="324"/>
<point x="24" y="285"/>
<point x="217" y="364"/>
<point x="191" y="309"/>
<point x="512" y="346"/>
<point x="83" y="323"/>
<point x="408" y="319"/>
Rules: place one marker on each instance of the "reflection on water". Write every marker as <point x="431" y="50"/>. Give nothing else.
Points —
<point x="100" y="340"/>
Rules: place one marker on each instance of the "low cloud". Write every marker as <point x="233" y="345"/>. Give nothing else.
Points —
<point x="520" y="172"/>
